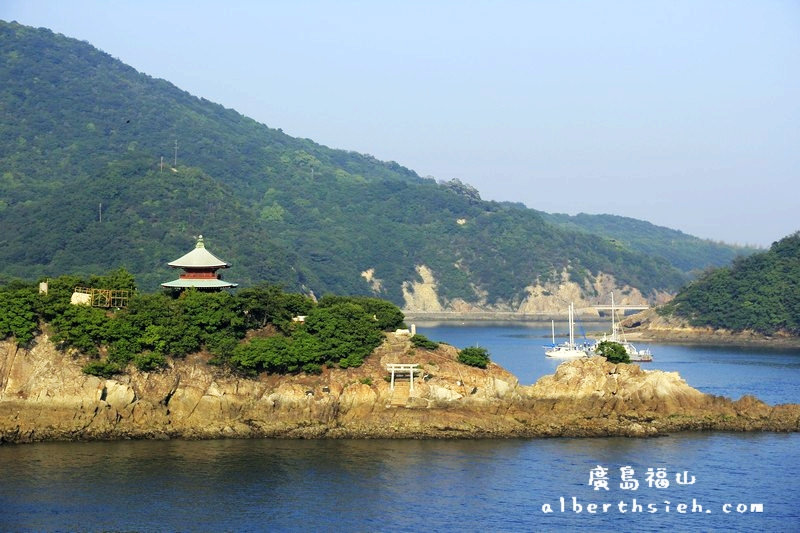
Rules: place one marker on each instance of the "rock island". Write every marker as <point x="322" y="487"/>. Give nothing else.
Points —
<point x="45" y="396"/>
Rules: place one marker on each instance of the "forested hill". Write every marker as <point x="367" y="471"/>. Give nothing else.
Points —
<point x="81" y="129"/>
<point x="760" y="293"/>
<point x="684" y="251"/>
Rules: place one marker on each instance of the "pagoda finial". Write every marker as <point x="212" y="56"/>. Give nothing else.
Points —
<point x="200" y="243"/>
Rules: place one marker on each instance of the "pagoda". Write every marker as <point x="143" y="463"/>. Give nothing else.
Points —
<point x="199" y="270"/>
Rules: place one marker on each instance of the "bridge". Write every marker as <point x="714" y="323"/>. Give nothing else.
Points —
<point x="540" y="316"/>
<point x="622" y="308"/>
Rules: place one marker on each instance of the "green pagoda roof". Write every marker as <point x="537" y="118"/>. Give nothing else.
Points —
<point x="199" y="258"/>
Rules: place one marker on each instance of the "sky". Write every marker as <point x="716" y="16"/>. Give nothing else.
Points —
<point x="682" y="113"/>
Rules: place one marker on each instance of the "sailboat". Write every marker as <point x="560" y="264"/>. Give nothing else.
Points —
<point x="642" y="355"/>
<point x="566" y="350"/>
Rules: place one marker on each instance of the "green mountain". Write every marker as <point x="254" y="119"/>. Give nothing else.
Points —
<point x="760" y="293"/>
<point x="90" y="179"/>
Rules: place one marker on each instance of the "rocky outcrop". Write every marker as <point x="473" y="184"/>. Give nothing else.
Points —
<point x="44" y="395"/>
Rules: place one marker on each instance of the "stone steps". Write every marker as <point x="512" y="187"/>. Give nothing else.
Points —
<point x="400" y="394"/>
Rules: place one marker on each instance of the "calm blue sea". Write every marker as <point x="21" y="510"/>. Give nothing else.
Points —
<point x="773" y="375"/>
<point x="486" y="485"/>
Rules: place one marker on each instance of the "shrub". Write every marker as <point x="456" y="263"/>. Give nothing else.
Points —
<point x="421" y="341"/>
<point x="102" y="369"/>
<point x="474" y="356"/>
<point x="123" y="351"/>
<point x="268" y="354"/>
<point x="81" y="327"/>
<point x="312" y="368"/>
<point x="614" y="352"/>
<point x="149" y="361"/>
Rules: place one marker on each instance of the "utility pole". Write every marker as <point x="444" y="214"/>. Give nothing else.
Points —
<point x="162" y="164"/>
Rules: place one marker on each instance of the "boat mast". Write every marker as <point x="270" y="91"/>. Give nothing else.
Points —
<point x="571" y="327"/>
<point x="613" y="320"/>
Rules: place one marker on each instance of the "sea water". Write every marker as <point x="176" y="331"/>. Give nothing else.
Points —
<point x="714" y="481"/>
<point x="771" y="374"/>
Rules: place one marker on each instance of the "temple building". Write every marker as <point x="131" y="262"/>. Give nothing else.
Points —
<point x="199" y="270"/>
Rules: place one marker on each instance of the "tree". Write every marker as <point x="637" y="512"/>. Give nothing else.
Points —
<point x="346" y="333"/>
<point x="614" y="352"/>
<point x="119" y="279"/>
<point x="268" y="304"/>
<point x="474" y="356"/>
<point x="81" y="327"/>
<point x="389" y="317"/>
<point x="421" y="341"/>
<point x="18" y="318"/>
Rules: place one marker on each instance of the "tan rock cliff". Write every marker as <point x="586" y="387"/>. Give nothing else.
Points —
<point x="546" y="297"/>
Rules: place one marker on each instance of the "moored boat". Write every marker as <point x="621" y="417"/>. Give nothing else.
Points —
<point x="639" y="355"/>
<point x="569" y="349"/>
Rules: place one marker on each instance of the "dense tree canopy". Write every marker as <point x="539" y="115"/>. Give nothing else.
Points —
<point x="759" y="293"/>
<point x="157" y="326"/>
<point x="18" y="313"/>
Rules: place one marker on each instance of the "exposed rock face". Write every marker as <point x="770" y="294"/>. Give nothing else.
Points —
<point x="44" y="395"/>
<point x="421" y="295"/>
<point x="542" y="297"/>
<point x="374" y="283"/>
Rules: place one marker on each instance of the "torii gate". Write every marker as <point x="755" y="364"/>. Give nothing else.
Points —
<point x="402" y="368"/>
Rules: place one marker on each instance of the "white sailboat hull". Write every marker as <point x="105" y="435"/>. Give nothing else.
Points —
<point x="562" y="352"/>
<point x="567" y="350"/>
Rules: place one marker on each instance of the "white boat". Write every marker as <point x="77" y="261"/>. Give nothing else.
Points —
<point x="566" y="350"/>
<point x="638" y="355"/>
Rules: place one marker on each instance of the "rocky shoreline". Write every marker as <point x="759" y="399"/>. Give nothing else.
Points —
<point x="44" y="396"/>
<point x="649" y="326"/>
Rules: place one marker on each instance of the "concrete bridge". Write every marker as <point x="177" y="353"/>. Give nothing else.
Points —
<point x="621" y="309"/>
<point x="602" y="310"/>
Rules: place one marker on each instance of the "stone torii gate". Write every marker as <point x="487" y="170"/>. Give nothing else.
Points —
<point x="403" y="368"/>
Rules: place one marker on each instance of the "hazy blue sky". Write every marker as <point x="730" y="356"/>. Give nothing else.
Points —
<point x="682" y="113"/>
